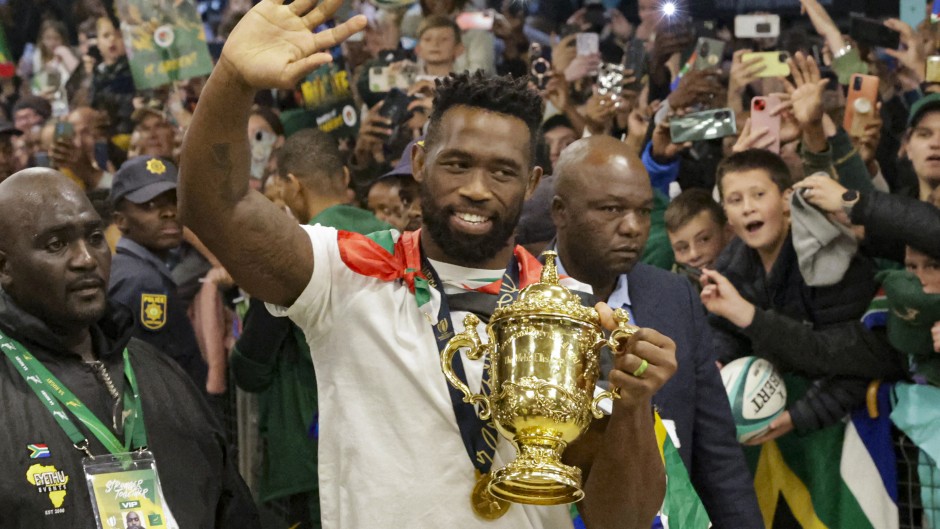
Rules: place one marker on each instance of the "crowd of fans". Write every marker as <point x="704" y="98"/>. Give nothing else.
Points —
<point x="792" y="234"/>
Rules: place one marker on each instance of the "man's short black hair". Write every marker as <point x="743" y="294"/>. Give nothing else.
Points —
<point x="506" y="95"/>
<point x="313" y="157"/>
<point x="755" y="159"/>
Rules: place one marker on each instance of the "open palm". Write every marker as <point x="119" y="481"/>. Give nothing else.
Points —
<point x="274" y="46"/>
<point x="806" y="95"/>
<point x="807" y="103"/>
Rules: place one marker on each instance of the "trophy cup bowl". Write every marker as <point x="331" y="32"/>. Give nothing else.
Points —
<point x="543" y="352"/>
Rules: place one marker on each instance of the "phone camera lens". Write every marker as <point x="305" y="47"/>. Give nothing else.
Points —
<point x="722" y="115"/>
<point x="857" y="83"/>
<point x="759" y="104"/>
<point x="784" y="57"/>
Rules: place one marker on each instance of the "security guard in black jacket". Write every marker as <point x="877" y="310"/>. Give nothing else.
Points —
<point x="77" y="388"/>
<point x="144" y="197"/>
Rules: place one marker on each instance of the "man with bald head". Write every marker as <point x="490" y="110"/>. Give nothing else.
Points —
<point x="602" y="205"/>
<point x="74" y="384"/>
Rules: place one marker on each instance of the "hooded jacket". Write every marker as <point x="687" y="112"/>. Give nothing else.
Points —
<point x="196" y="466"/>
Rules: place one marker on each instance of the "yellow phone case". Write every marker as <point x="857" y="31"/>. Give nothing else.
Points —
<point x="933" y="69"/>
<point x="775" y="62"/>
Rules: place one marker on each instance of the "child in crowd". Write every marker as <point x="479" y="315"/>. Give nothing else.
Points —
<point x="761" y="305"/>
<point x="438" y="45"/>
<point x="698" y="229"/>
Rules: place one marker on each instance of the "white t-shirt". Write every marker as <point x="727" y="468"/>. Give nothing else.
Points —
<point x="390" y="451"/>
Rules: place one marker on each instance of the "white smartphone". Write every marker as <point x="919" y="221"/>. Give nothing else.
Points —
<point x="379" y="79"/>
<point x="588" y="43"/>
<point x="756" y="26"/>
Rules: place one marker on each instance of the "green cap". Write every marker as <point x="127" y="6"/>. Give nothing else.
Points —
<point x="921" y="107"/>
<point x="912" y="313"/>
<point x="297" y="119"/>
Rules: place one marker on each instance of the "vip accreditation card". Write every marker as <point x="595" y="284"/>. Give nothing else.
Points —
<point x="125" y="492"/>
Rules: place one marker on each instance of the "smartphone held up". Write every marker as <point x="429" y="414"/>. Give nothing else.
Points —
<point x="873" y="33"/>
<point x="774" y="62"/>
<point x="762" y="118"/>
<point x="933" y="69"/>
<point x="705" y="125"/>
<point x="860" y="103"/>
<point x="756" y="26"/>
<point x="540" y="70"/>
<point x="63" y="131"/>
<point x="480" y="20"/>
<point x="587" y="43"/>
<point x="708" y="53"/>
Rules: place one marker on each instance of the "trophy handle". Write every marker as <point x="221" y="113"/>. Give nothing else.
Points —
<point x="596" y="403"/>
<point x="618" y="346"/>
<point x="623" y="332"/>
<point x="471" y="340"/>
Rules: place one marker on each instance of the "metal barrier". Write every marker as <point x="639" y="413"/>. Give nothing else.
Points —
<point x="909" y="506"/>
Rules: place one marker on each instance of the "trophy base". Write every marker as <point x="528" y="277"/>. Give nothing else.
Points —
<point x="537" y="476"/>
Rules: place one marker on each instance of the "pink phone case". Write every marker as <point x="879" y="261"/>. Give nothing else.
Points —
<point x="475" y="20"/>
<point x="761" y="108"/>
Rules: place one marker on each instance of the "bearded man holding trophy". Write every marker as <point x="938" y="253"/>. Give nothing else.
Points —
<point x="398" y="446"/>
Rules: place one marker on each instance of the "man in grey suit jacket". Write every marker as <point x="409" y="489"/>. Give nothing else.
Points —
<point x="602" y="209"/>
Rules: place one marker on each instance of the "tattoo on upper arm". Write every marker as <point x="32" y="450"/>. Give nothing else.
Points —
<point x="221" y="155"/>
<point x="222" y="158"/>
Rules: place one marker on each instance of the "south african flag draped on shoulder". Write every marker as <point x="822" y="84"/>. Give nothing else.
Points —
<point x="391" y="256"/>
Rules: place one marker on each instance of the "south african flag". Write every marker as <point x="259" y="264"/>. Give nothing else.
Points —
<point x="38" y="451"/>
<point x="7" y="66"/>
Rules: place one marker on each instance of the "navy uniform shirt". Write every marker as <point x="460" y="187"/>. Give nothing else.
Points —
<point x="142" y="282"/>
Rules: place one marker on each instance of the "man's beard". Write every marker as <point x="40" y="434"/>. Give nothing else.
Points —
<point x="463" y="247"/>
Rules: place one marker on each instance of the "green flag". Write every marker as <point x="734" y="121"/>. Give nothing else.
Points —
<point x="165" y="42"/>
<point x="682" y="508"/>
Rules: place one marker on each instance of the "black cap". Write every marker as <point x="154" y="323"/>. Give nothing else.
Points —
<point x="142" y="178"/>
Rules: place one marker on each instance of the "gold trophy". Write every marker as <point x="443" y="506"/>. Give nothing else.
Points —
<point x="543" y="352"/>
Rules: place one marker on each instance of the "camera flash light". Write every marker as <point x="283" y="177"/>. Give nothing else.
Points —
<point x="669" y="9"/>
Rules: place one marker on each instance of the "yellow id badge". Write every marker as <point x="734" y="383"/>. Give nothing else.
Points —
<point x="125" y="492"/>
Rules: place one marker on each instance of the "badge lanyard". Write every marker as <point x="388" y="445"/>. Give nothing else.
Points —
<point x="474" y="431"/>
<point x="54" y="395"/>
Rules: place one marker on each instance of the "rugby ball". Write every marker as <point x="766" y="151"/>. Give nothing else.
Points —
<point x="757" y="395"/>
